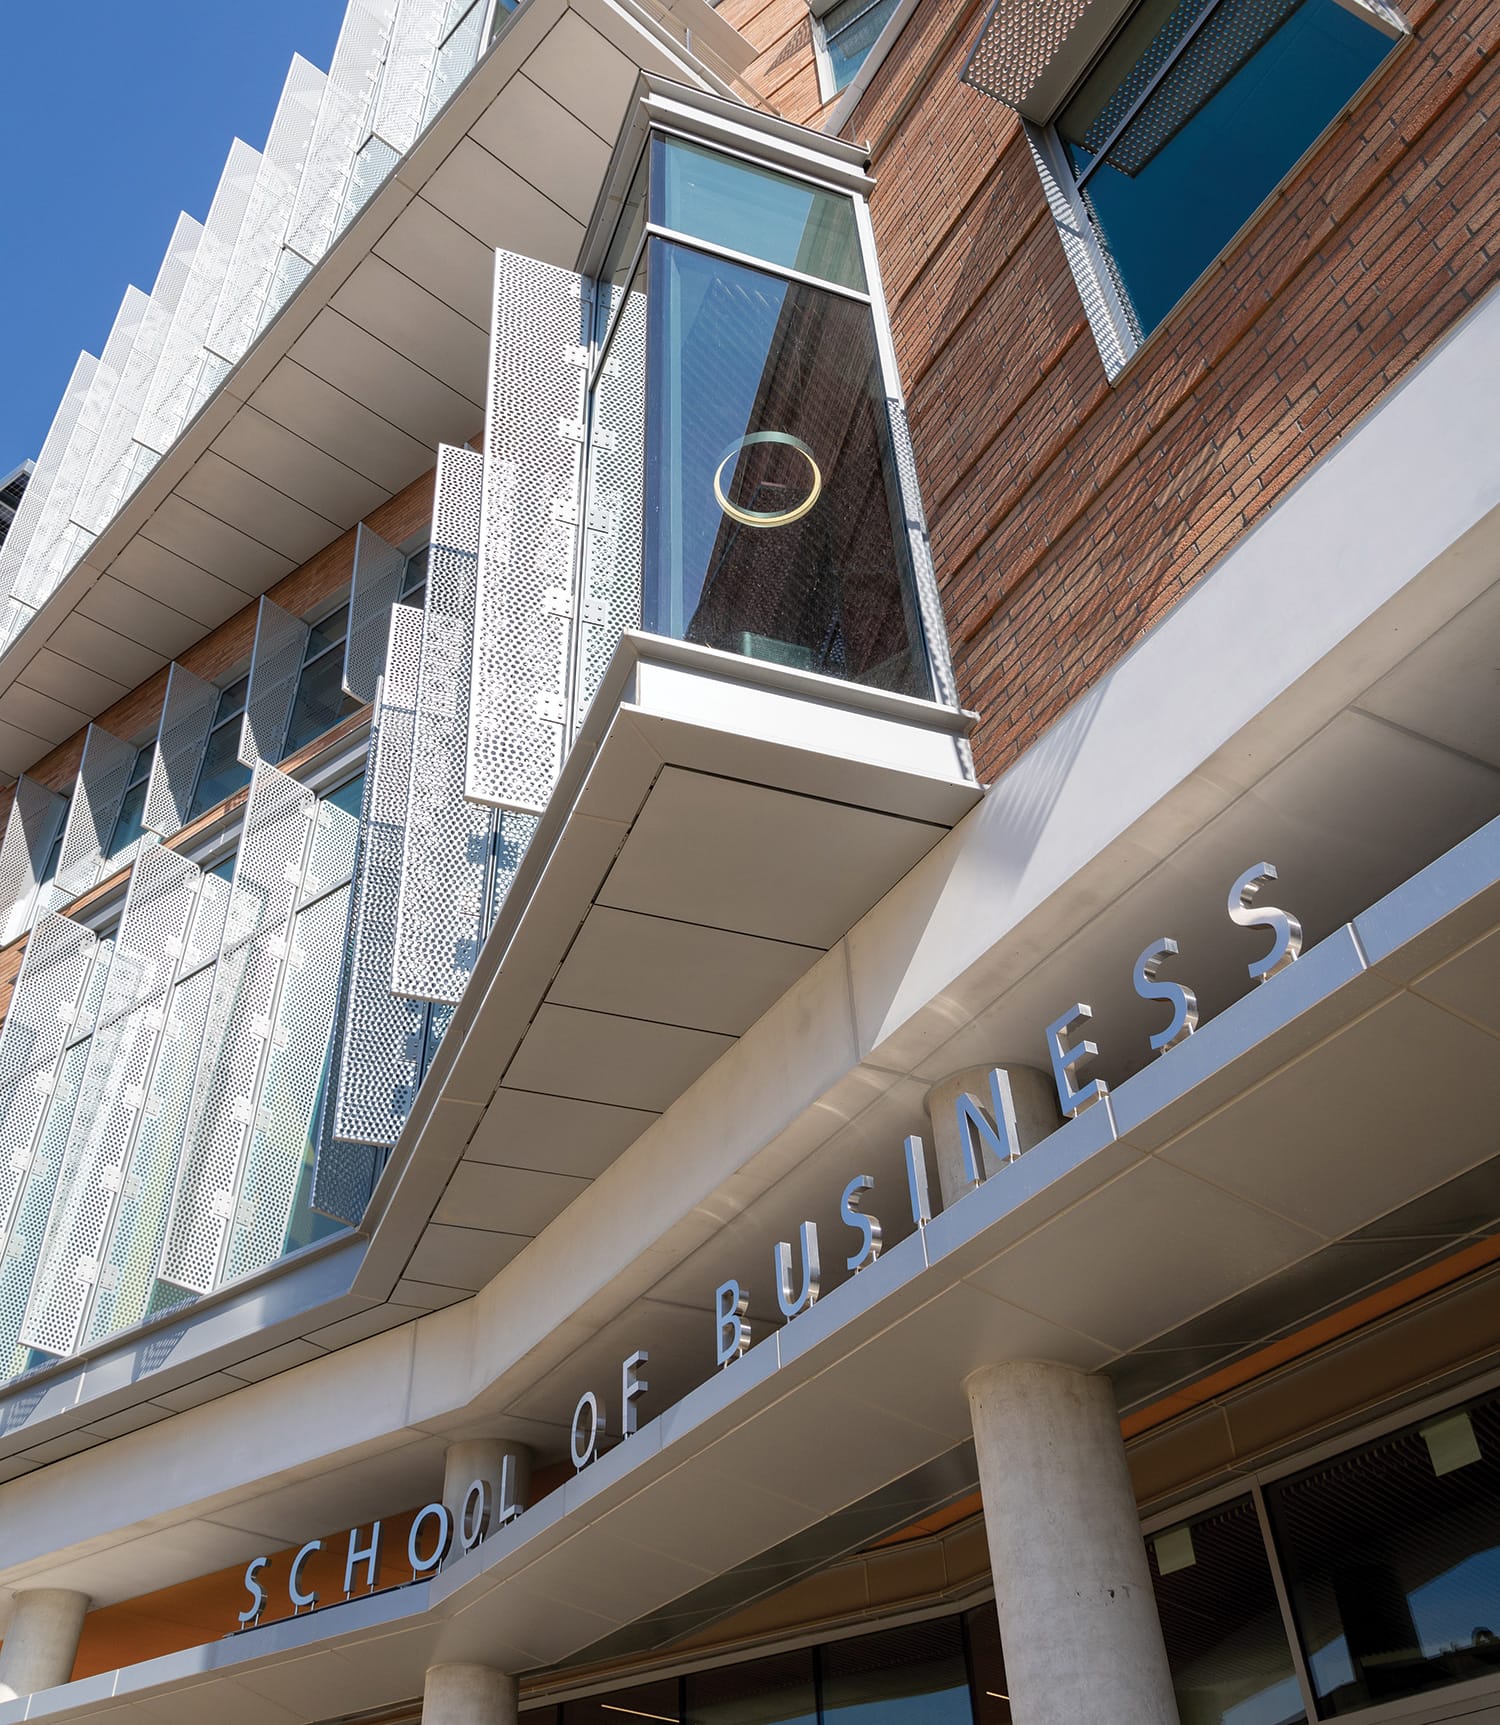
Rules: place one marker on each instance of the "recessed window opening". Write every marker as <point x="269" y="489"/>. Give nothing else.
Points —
<point x="1192" y="116"/>
<point x="414" y="578"/>
<point x="222" y="772"/>
<point x="130" y="822"/>
<point x="844" y="36"/>
<point x="320" y="702"/>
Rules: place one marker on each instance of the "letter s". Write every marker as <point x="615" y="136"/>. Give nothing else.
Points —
<point x="1179" y="996"/>
<point x="1244" y="913"/>
<point x="255" y="1590"/>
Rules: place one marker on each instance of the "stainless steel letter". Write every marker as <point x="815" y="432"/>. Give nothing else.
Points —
<point x="916" y="1181"/>
<point x="583" y="1455"/>
<point x="294" y="1580"/>
<point x="1178" y="995"/>
<point x="254" y="1588"/>
<point x="433" y="1512"/>
<point x="1244" y="913"/>
<point x="474" y="1512"/>
<point x="732" y="1333"/>
<point x="811" y="1273"/>
<point x="976" y="1134"/>
<point x="368" y="1555"/>
<point x="632" y="1388"/>
<point x="1071" y="1101"/>
<point x="867" y="1227"/>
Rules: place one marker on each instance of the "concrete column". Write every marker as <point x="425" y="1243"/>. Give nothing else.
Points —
<point x="468" y="1695"/>
<point x="41" y="1642"/>
<point x="1078" y="1620"/>
<point x="1037" y="1115"/>
<point x="486" y="1458"/>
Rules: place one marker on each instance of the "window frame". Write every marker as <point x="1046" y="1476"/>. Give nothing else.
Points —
<point x="846" y="95"/>
<point x="1110" y="316"/>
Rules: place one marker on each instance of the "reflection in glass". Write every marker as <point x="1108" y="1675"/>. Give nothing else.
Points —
<point x="1220" y="1620"/>
<point x="913" y="1675"/>
<point x="991" y="1693"/>
<point x="1392" y="1556"/>
<point x="320" y="702"/>
<point x="775" y="1691"/>
<point x="222" y="772"/>
<point x="773" y="527"/>
<point x="646" y="1702"/>
<point x="850" y="31"/>
<point x="733" y="203"/>
<point x="1253" y="85"/>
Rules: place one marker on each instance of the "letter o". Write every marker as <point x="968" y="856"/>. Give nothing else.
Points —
<point x="474" y="1514"/>
<point x="584" y="1455"/>
<point x="433" y="1512"/>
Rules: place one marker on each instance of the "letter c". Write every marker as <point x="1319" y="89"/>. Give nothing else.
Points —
<point x="294" y="1580"/>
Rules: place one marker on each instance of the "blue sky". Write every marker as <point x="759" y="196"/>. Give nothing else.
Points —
<point x="114" y="118"/>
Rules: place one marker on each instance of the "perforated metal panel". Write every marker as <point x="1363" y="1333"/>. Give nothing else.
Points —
<point x="103" y="777"/>
<point x="44" y="1008"/>
<point x="446" y="846"/>
<point x="268" y="876"/>
<point x="57" y="541"/>
<point x="402" y="98"/>
<point x="44" y="474"/>
<point x="372" y="162"/>
<point x="378" y="570"/>
<point x="343" y="124"/>
<point x="292" y="269"/>
<point x="523" y="624"/>
<point x="35" y="815"/>
<point x="247" y="279"/>
<point x="169" y="400"/>
<point x="458" y="55"/>
<point x="275" y="665"/>
<point x="1016" y="44"/>
<point x="919" y="546"/>
<point x="378" y="1060"/>
<point x="289" y="1095"/>
<point x="613" y="533"/>
<point x="187" y="716"/>
<point x="110" y="466"/>
<point x="122" y="1059"/>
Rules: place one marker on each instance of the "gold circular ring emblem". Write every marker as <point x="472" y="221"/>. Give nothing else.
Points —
<point x="766" y="517"/>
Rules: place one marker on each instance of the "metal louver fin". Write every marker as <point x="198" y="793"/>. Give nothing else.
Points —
<point x="378" y="1055"/>
<point x="44" y="1007"/>
<point x="44" y="475"/>
<point x="919" y="545"/>
<point x="35" y="815"/>
<point x="103" y="777"/>
<point x="96" y="1161"/>
<point x="275" y="665"/>
<point x="523" y="631"/>
<point x="280" y="817"/>
<point x="187" y="716"/>
<point x="448" y="841"/>
<point x="378" y="569"/>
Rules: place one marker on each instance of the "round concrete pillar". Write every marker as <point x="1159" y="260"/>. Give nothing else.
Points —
<point x="468" y="1695"/>
<point x="1037" y="1115"/>
<point x="1078" y="1621"/>
<point x="504" y="1467"/>
<point x="41" y="1641"/>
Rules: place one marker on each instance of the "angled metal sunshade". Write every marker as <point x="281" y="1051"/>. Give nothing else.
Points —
<point x="44" y="475"/>
<point x="378" y="571"/>
<point x="275" y="665"/>
<point x="103" y="778"/>
<point x="187" y="716"/>
<point x="152" y="939"/>
<point x="43" y="1010"/>
<point x="36" y="813"/>
<point x="247" y="277"/>
<point x="378" y="1054"/>
<point x="523" y="630"/>
<point x="445" y="864"/>
<point x="279" y="823"/>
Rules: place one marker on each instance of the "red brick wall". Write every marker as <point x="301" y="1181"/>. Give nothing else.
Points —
<point x="784" y="74"/>
<point x="1067" y="514"/>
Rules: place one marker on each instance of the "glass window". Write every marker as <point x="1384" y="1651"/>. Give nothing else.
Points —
<point x="850" y="31"/>
<point x="734" y="203"/>
<point x="991" y="1693"/>
<point x="129" y="823"/>
<point x="623" y="245"/>
<point x="222" y="772"/>
<point x="414" y="577"/>
<point x="1392" y="1559"/>
<point x="775" y="1691"/>
<point x="647" y="1701"/>
<point x="1226" y="1644"/>
<point x="1193" y="116"/>
<point x="320" y="702"/>
<point x="915" y="1675"/>
<point x="773" y="528"/>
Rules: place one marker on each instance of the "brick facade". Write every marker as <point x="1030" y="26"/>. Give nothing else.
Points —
<point x="1067" y="514"/>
